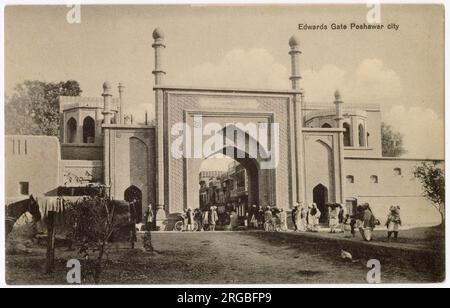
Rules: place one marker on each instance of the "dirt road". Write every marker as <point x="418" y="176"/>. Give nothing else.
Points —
<point x="219" y="258"/>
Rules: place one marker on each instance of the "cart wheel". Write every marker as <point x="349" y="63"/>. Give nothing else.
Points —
<point x="195" y="227"/>
<point x="178" y="226"/>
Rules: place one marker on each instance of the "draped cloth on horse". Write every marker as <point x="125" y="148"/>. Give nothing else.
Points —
<point x="59" y="205"/>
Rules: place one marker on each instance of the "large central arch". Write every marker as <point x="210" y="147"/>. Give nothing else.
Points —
<point x="177" y="185"/>
<point x="252" y="168"/>
<point x="258" y="193"/>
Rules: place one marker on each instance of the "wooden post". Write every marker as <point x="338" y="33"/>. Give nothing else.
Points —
<point x="50" y="242"/>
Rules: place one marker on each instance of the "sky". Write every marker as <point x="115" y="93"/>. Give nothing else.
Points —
<point x="245" y="47"/>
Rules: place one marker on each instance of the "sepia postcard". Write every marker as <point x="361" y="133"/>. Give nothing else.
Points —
<point x="232" y="144"/>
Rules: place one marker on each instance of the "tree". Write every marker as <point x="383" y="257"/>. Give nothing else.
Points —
<point x="391" y="142"/>
<point x="92" y="222"/>
<point x="433" y="181"/>
<point x="33" y="109"/>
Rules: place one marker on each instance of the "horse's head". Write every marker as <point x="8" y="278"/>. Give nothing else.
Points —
<point x="33" y="208"/>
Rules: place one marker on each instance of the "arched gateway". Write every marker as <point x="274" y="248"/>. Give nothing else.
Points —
<point x="191" y="122"/>
<point x="263" y="130"/>
<point x="204" y="112"/>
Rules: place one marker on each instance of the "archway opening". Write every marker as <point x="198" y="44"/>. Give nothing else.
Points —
<point x="230" y="184"/>
<point x="71" y="129"/>
<point x="347" y="140"/>
<point x="362" y="136"/>
<point x="134" y="195"/>
<point x="88" y="130"/>
<point x="320" y="197"/>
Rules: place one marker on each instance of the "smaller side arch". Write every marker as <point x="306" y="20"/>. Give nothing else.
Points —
<point x="361" y="135"/>
<point x="71" y="130"/>
<point x="88" y="130"/>
<point x="347" y="135"/>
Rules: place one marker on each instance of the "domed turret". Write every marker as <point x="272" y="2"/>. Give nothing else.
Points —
<point x="337" y="95"/>
<point x="294" y="41"/>
<point x="106" y="86"/>
<point x="158" y="34"/>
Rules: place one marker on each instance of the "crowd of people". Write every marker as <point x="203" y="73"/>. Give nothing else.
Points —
<point x="305" y="218"/>
<point x="267" y="218"/>
<point x="200" y="220"/>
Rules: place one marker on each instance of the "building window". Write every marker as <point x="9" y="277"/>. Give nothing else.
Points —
<point x="362" y="136"/>
<point x="374" y="179"/>
<point x="397" y="171"/>
<point x="24" y="188"/>
<point x="88" y="130"/>
<point x="326" y="125"/>
<point x="71" y="130"/>
<point x="347" y="141"/>
<point x="350" y="179"/>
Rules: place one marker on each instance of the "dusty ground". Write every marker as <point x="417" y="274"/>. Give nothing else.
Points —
<point x="237" y="258"/>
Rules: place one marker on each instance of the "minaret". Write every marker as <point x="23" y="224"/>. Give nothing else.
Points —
<point x="158" y="45"/>
<point x="299" y="184"/>
<point x="338" y="104"/>
<point x="339" y="118"/>
<point x="121" y="103"/>
<point x="107" y="102"/>
<point x="295" y="67"/>
<point x="106" y="134"/>
<point x="158" y="72"/>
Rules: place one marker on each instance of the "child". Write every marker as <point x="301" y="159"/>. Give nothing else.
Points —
<point x="334" y="218"/>
<point x="393" y="222"/>
<point x="349" y="226"/>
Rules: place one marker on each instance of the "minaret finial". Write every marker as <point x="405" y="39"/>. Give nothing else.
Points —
<point x="338" y="102"/>
<point x="295" y="52"/>
<point x="158" y="45"/>
<point x="337" y="95"/>
<point x="107" y="114"/>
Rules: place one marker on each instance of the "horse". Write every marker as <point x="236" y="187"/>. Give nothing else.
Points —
<point x="17" y="209"/>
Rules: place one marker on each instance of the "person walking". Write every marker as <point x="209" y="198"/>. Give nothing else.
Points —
<point x="267" y="219"/>
<point x="190" y="219"/>
<point x="295" y="211"/>
<point x="348" y="226"/>
<point x="283" y="220"/>
<point x="213" y="218"/>
<point x="341" y="217"/>
<point x="253" y="217"/>
<point x="205" y="220"/>
<point x="369" y="223"/>
<point x="393" y="222"/>
<point x="260" y="218"/>
<point x="198" y="219"/>
<point x="359" y="219"/>
<point x="149" y="217"/>
<point x="334" y="218"/>
<point x="303" y="218"/>
<point x="313" y="218"/>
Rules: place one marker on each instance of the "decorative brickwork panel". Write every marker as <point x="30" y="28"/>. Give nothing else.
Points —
<point x="230" y="107"/>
